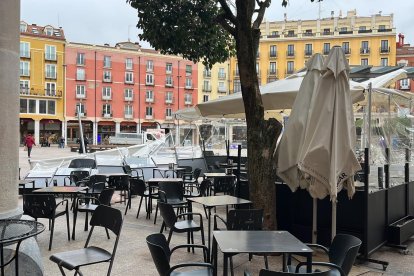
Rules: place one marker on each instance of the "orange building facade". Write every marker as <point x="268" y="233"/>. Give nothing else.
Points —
<point x="124" y="89"/>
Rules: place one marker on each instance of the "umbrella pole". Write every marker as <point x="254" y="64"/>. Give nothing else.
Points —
<point x="333" y="230"/>
<point x="315" y="221"/>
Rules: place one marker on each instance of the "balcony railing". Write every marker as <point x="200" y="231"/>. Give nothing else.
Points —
<point x="384" y="30"/>
<point x="222" y="76"/>
<point x="206" y="88"/>
<point x="168" y="117"/>
<point x="25" y="54"/>
<point x="326" y="52"/>
<point x="308" y="34"/>
<point x="149" y="100"/>
<point x="272" y="72"/>
<point x="50" y="92"/>
<point x="82" y="114"/>
<point x="347" y="51"/>
<point x="50" y="75"/>
<point x="106" y="97"/>
<point x="128" y="116"/>
<point x="327" y="33"/>
<point x="107" y="80"/>
<point x="51" y="57"/>
<point x="188" y="102"/>
<point x="169" y="83"/>
<point x="80" y="77"/>
<point x="385" y="50"/>
<point x="308" y="52"/>
<point x="222" y="90"/>
<point x="207" y="74"/>
<point x="345" y="32"/>
<point x="80" y="96"/>
<point x="128" y="99"/>
<point x="273" y="36"/>
<point x="107" y="115"/>
<point x="272" y="54"/>
<point x="188" y="86"/>
<point x="291" y="35"/>
<point x="149" y="117"/>
<point x="364" y="31"/>
<point x="290" y="53"/>
<point x="289" y="71"/>
<point x="364" y="51"/>
<point x="168" y="100"/>
<point x="24" y="90"/>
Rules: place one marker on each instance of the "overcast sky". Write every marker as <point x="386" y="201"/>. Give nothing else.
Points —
<point x="111" y="21"/>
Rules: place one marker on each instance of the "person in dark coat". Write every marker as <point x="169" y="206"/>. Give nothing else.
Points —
<point x="85" y="141"/>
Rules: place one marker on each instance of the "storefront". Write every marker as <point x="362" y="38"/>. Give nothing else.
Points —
<point x="105" y="129"/>
<point x="73" y="130"/>
<point x="128" y="127"/>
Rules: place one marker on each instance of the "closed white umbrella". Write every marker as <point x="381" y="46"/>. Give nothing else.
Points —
<point x="327" y="159"/>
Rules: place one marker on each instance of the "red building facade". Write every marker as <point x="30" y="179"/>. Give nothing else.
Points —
<point x="405" y="57"/>
<point x="124" y="89"/>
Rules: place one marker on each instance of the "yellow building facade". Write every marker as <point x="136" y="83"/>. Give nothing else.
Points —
<point x="285" y="46"/>
<point x="213" y="83"/>
<point x="42" y="82"/>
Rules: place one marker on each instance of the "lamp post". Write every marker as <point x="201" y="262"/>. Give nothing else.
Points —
<point x="178" y="104"/>
<point x="139" y="95"/>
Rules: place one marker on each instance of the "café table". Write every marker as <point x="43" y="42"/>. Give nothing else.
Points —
<point x="259" y="242"/>
<point x="209" y="202"/>
<point x="15" y="231"/>
<point x="71" y="190"/>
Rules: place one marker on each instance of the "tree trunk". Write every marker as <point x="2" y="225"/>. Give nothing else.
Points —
<point x="261" y="134"/>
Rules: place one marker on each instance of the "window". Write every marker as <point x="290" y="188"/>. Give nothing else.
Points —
<point x="23" y="106"/>
<point x="168" y="97"/>
<point x="362" y="28"/>
<point x="80" y="92"/>
<point x="308" y="49"/>
<point x="50" y="89"/>
<point x="290" y="67"/>
<point x="206" y="72"/>
<point x="343" y="29"/>
<point x="24" y="49"/>
<point x="129" y="77"/>
<point x="49" y="31"/>
<point x="168" y="113"/>
<point x="107" y="62"/>
<point x="384" y="46"/>
<point x="236" y="72"/>
<point x="221" y="86"/>
<point x="149" y="96"/>
<point x="80" y="74"/>
<point x="148" y="112"/>
<point x="23" y="27"/>
<point x="150" y="66"/>
<point x="128" y="94"/>
<point x="42" y="107"/>
<point x="188" y="98"/>
<point x="384" y="61"/>
<point x="50" y="71"/>
<point x="47" y="107"/>
<point x="291" y="50"/>
<point x="32" y="106"/>
<point x="168" y="80"/>
<point x="24" y="68"/>
<point x="308" y="32"/>
<point x="257" y="68"/>
<point x="80" y="58"/>
<point x="25" y="87"/>
<point x="345" y="48"/>
<point x="272" y="68"/>
<point x="188" y="83"/>
<point x="206" y="86"/>
<point x="326" y="31"/>
<point x="50" y="52"/>
<point x="128" y="112"/>
<point x="364" y="47"/>
<point x="106" y="110"/>
<point x="128" y="64"/>
<point x="326" y="48"/>
<point x="205" y="98"/>
<point x="221" y="73"/>
<point x="106" y="93"/>
<point x="381" y="28"/>
<point x="364" y="61"/>
<point x="188" y="69"/>
<point x="168" y="68"/>
<point x="405" y="84"/>
<point x="80" y="107"/>
<point x="107" y="76"/>
<point x="237" y="86"/>
<point x="149" y="79"/>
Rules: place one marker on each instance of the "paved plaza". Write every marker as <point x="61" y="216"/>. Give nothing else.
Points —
<point x="133" y="257"/>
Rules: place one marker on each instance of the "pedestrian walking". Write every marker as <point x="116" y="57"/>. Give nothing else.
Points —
<point x="61" y="142"/>
<point x="29" y="142"/>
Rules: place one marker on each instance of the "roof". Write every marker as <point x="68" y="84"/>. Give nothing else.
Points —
<point x="41" y="31"/>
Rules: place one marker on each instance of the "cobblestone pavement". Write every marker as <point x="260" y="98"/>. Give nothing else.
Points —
<point x="133" y="258"/>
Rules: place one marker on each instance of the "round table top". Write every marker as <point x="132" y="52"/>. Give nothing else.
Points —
<point x="12" y="230"/>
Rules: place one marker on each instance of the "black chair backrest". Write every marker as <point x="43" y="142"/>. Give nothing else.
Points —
<point x="265" y="272"/>
<point x="83" y="163"/>
<point x="196" y="173"/>
<point x="172" y="190"/>
<point x="127" y="169"/>
<point x="245" y="219"/>
<point x="224" y="185"/>
<point x="167" y="213"/>
<point x="95" y="178"/>
<point x="343" y="251"/>
<point x="39" y="205"/>
<point x="137" y="186"/>
<point x="160" y="252"/>
<point x="105" y="196"/>
<point x="107" y="217"/>
<point x="119" y="182"/>
<point x="78" y="175"/>
<point x="204" y="186"/>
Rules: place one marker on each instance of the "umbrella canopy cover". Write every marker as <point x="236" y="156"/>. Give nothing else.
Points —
<point x="293" y="135"/>
<point x="327" y="158"/>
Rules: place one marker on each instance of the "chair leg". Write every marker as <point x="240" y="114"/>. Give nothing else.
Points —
<point x="162" y="227"/>
<point x="266" y="262"/>
<point x="156" y="212"/>
<point x="107" y="233"/>
<point x="128" y="204"/>
<point x="51" y="234"/>
<point x="75" y="216"/>
<point x="170" y="235"/>
<point x="231" y="266"/>
<point x="61" y="270"/>
<point x="202" y="237"/>
<point x="67" y="225"/>
<point x="139" y="208"/>
<point x="86" y="221"/>
<point x="205" y="211"/>
<point x="192" y="239"/>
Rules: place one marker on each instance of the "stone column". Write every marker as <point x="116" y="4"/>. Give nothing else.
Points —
<point x="117" y="127"/>
<point x="9" y="87"/>
<point x="37" y="131"/>
<point x="95" y="133"/>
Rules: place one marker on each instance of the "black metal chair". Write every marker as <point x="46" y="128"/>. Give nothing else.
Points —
<point x="83" y="163"/>
<point x="137" y="187"/>
<point x="120" y="183"/>
<point x="45" y="206"/>
<point x="265" y="272"/>
<point x="134" y="173"/>
<point x="106" y="217"/>
<point x="224" y="185"/>
<point x="77" y="178"/>
<point x="173" y="194"/>
<point x="191" y="180"/>
<point x="201" y="191"/>
<point x="341" y="254"/>
<point x="242" y="219"/>
<point x="161" y="255"/>
<point x="188" y="225"/>
<point x="88" y="204"/>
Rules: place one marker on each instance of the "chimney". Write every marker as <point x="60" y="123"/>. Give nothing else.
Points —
<point x="400" y="40"/>
<point x="332" y="14"/>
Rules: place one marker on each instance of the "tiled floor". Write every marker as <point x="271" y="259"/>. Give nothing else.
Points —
<point x="133" y="257"/>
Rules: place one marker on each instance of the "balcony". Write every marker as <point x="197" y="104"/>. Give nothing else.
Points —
<point x="385" y="50"/>
<point x="128" y="116"/>
<point x="308" y="53"/>
<point x="347" y="51"/>
<point x="168" y="71"/>
<point x="80" y="96"/>
<point x="169" y="83"/>
<point x="221" y="76"/>
<point x="107" y="79"/>
<point x="326" y="52"/>
<point x="107" y="115"/>
<point x="50" y="92"/>
<point x="384" y="30"/>
<point x="222" y="90"/>
<point x="207" y="88"/>
<point x="272" y="54"/>
<point x="168" y="100"/>
<point x="80" y="77"/>
<point x="50" y="57"/>
<point x="188" y="102"/>
<point x="25" y="54"/>
<point x="81" y="114"/>
<point x="168" y="117"/>
<point x="364" y="31"/>
<point x="106" y="97"/>
<point x="149" y="83"/>
<point x="188" y="73"/>
<point x="364" y="51"/>
<point x="272" y="72"/>
<point x="188" y="86"/>
<point x="24" y="73"/>
<point x="289" y="72"/>
<point x="290" y="53"/>
<point x="308" y="34"/>
<point x="128" y="98"/>
<point x="149" y="100"/>
<point x="207" y="74"/>
<point x="149" y="117"/>
<point x="291" y="35"/>
<point x="273" y="36"/>
<point x="405" y="87"/>
<point x="327" y="33"/>
<point x="50" y="75"/>
<point x="345" y="32"/>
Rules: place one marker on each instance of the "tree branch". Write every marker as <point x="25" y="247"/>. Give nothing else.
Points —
<point x="221" y="19"/>
<point x="229" y="14"/>
<point x="260" y="14"/>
